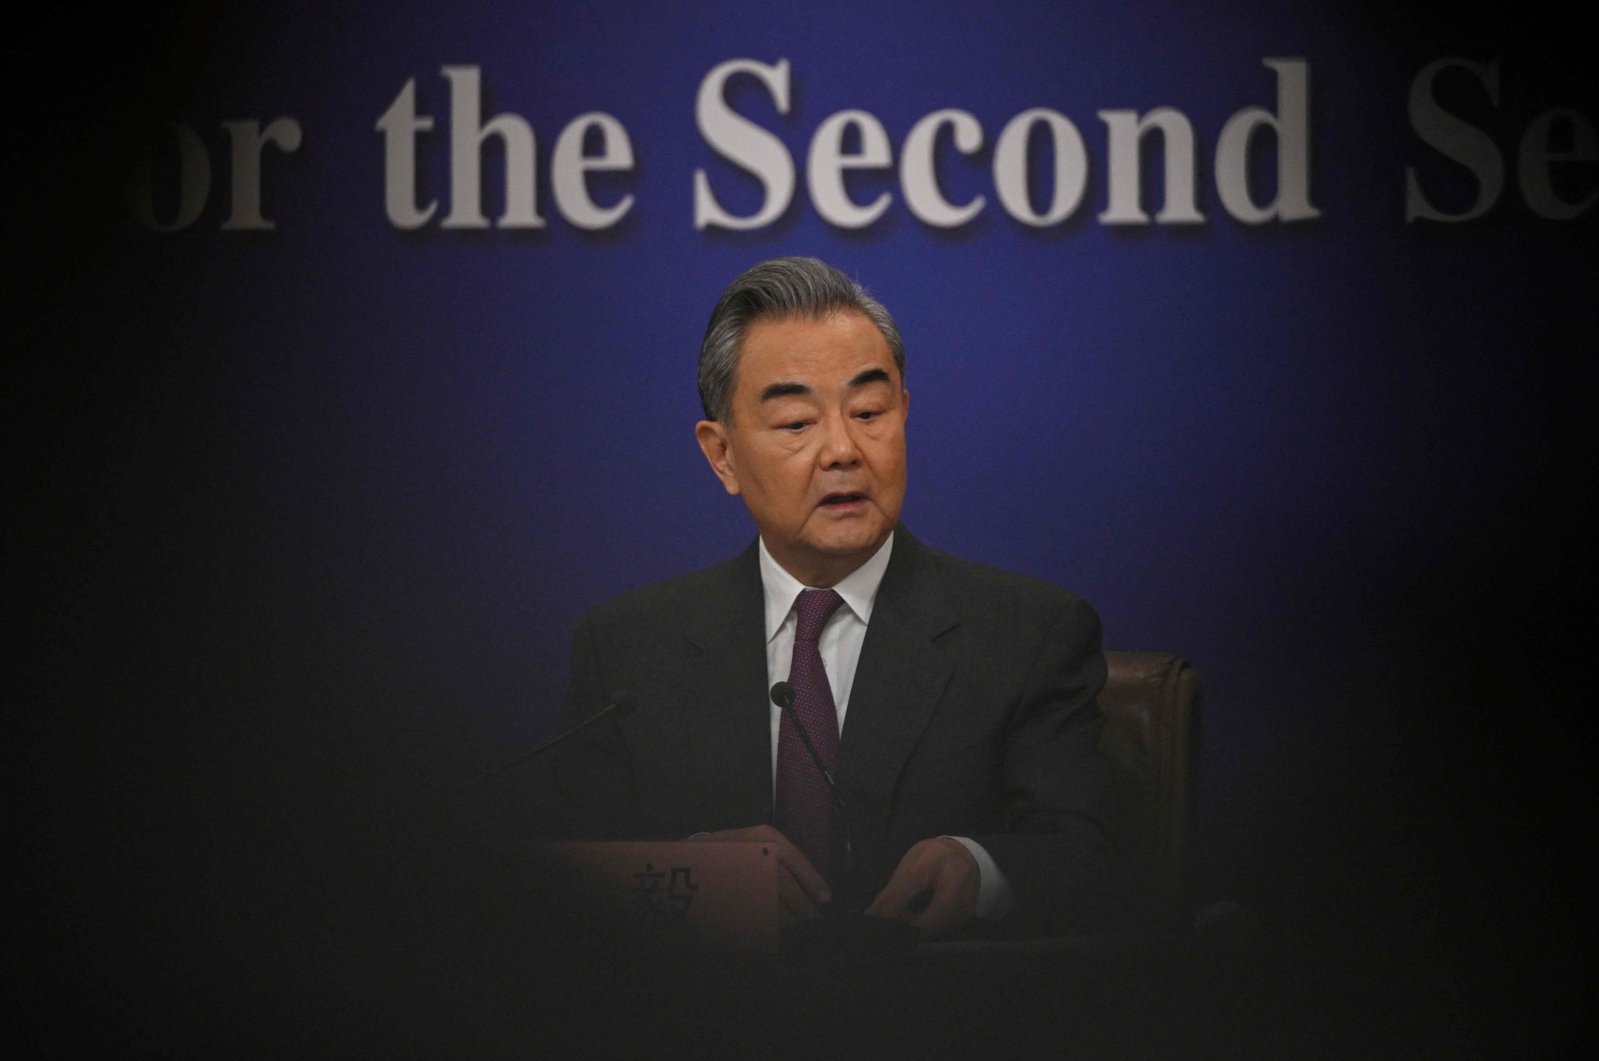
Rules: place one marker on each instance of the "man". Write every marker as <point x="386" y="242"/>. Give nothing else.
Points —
<point x="952" y="704"/>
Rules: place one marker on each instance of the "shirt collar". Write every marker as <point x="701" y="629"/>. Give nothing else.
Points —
<point x="858" y="588"/>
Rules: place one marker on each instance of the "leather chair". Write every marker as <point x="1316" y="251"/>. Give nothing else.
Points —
<point x="1151" y="739"/>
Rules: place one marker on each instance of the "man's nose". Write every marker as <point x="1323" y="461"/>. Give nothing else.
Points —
<point x="838" y="443"/>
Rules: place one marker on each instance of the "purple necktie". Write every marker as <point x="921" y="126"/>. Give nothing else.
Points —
<point x="804" y="808"/>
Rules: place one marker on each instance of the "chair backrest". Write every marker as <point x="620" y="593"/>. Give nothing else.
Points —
<point x="1151" y="739"/>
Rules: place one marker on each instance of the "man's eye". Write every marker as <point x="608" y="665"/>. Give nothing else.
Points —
<point x="868" y="414"/>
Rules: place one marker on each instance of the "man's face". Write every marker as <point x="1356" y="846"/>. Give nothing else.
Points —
<point x="815" y="441"/>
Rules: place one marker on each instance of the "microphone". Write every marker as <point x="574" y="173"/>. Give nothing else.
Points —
<point x="783" y="696"/>
<point x="620" y="706"/>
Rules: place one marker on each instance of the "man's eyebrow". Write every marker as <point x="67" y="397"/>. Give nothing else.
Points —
<point x="800" y="390"/>
<point x="784" y="390"/>
<point x="870" y="375"/>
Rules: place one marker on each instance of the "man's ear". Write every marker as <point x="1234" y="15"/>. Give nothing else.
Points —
<point x="712" y="437"/>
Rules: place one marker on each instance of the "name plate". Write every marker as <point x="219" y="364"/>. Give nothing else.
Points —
<point x="697" y="895"/>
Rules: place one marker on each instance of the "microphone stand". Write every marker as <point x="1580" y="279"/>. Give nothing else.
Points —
<point x="783" y="696"/>
<point x="844" y="927"/>
<point x="620" y="706"/>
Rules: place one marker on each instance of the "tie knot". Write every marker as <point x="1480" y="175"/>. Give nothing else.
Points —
<point x="813" y="608"/>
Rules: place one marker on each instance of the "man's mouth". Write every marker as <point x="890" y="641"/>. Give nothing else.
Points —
<point x="842" y="500"/>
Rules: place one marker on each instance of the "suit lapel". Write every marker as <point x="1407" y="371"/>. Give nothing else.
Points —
<point x="898" y="682"/>
<point x="722" y="693"/>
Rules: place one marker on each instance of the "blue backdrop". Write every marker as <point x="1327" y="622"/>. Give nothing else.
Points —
<point x="309" y="512"/>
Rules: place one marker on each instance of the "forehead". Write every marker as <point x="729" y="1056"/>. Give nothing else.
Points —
<point x="817" y="351"/>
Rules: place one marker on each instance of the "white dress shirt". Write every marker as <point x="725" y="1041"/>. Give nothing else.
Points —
<point x="840" y="646"/>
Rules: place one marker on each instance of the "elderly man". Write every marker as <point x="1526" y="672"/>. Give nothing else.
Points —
<point x="951" y="705"/>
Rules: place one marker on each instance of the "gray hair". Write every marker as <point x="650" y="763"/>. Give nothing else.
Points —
<point x="780" y="288"/>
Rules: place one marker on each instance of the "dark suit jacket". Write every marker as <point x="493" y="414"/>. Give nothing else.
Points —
<point x="972" y="714"/>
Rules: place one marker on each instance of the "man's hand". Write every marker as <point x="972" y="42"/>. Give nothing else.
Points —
<point x="800" y="889"/>
<point x="942" y="867"/>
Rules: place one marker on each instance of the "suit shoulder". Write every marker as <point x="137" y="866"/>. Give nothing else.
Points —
<point x="980" y="587"/>
<point x="672" y="600"/>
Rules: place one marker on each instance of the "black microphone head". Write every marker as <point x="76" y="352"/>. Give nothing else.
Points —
<point x="783" y="695"/>
<point x="622" y="703"/>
